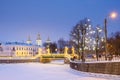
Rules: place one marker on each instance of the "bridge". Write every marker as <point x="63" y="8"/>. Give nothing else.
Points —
<point x="49" y="55"/>
<point x="38" y="57"/>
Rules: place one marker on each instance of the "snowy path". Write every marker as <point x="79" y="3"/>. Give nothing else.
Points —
<point x="53" y="71"/>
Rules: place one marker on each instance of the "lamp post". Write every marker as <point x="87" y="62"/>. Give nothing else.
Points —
<point x="105" y="30"/>
<point x="112" y="15"/>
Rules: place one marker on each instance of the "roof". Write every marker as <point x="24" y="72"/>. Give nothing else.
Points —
<point x="18" y="43"/>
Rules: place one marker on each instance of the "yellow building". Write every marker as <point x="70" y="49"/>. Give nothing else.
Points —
<point x="20" y="49"/>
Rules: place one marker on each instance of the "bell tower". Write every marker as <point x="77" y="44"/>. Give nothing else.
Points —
<point x="38" y="40"/>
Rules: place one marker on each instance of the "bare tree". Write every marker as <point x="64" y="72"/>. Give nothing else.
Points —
<point x="78" y="35"/>
<point x="61" y="44"/>
<point x="114" y="44"/>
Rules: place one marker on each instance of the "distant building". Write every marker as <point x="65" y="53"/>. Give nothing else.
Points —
<point x="20" y="49"/>
<point x="38" y="40"/>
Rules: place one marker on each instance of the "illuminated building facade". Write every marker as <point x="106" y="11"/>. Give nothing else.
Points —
<point x="20" y="49"/>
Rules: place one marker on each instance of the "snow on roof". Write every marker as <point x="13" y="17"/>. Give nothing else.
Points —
<point x="17" y="43"/>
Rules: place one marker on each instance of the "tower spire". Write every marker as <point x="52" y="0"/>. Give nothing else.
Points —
<point x="38" y="37"/>
<point x="48" y="40"/>
<point x="38" y="40"/>
<point x="29" y="40"/>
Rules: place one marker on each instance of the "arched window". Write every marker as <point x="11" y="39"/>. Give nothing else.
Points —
<point x="13" y="49"/>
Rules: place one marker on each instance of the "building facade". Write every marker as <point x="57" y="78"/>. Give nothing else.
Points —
<point x="19" y="49"/>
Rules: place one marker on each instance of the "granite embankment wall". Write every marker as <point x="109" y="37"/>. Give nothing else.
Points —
<point x="101" y="67"/>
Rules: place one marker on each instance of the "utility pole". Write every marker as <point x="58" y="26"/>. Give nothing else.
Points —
<point x="105" y="30"/>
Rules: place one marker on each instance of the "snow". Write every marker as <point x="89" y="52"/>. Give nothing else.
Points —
<point x="50" y="71"/>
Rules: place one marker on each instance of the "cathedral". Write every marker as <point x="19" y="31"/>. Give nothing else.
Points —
<point x="20" y="49"/>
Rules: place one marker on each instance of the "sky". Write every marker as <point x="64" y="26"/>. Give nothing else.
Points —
<point x="52" y="18"/>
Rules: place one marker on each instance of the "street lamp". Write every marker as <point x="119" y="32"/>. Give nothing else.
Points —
<point x="112" y="15"/>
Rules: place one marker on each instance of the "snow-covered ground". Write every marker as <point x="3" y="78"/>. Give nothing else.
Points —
<point x="52" y="71"/>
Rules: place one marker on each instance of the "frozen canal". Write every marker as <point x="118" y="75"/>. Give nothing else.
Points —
<point x="51" y="71"/>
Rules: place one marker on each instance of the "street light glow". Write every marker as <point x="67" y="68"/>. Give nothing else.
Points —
<point x="113" y="15"/>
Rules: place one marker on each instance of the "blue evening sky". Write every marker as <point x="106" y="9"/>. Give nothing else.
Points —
<point x="53" y="18"/>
